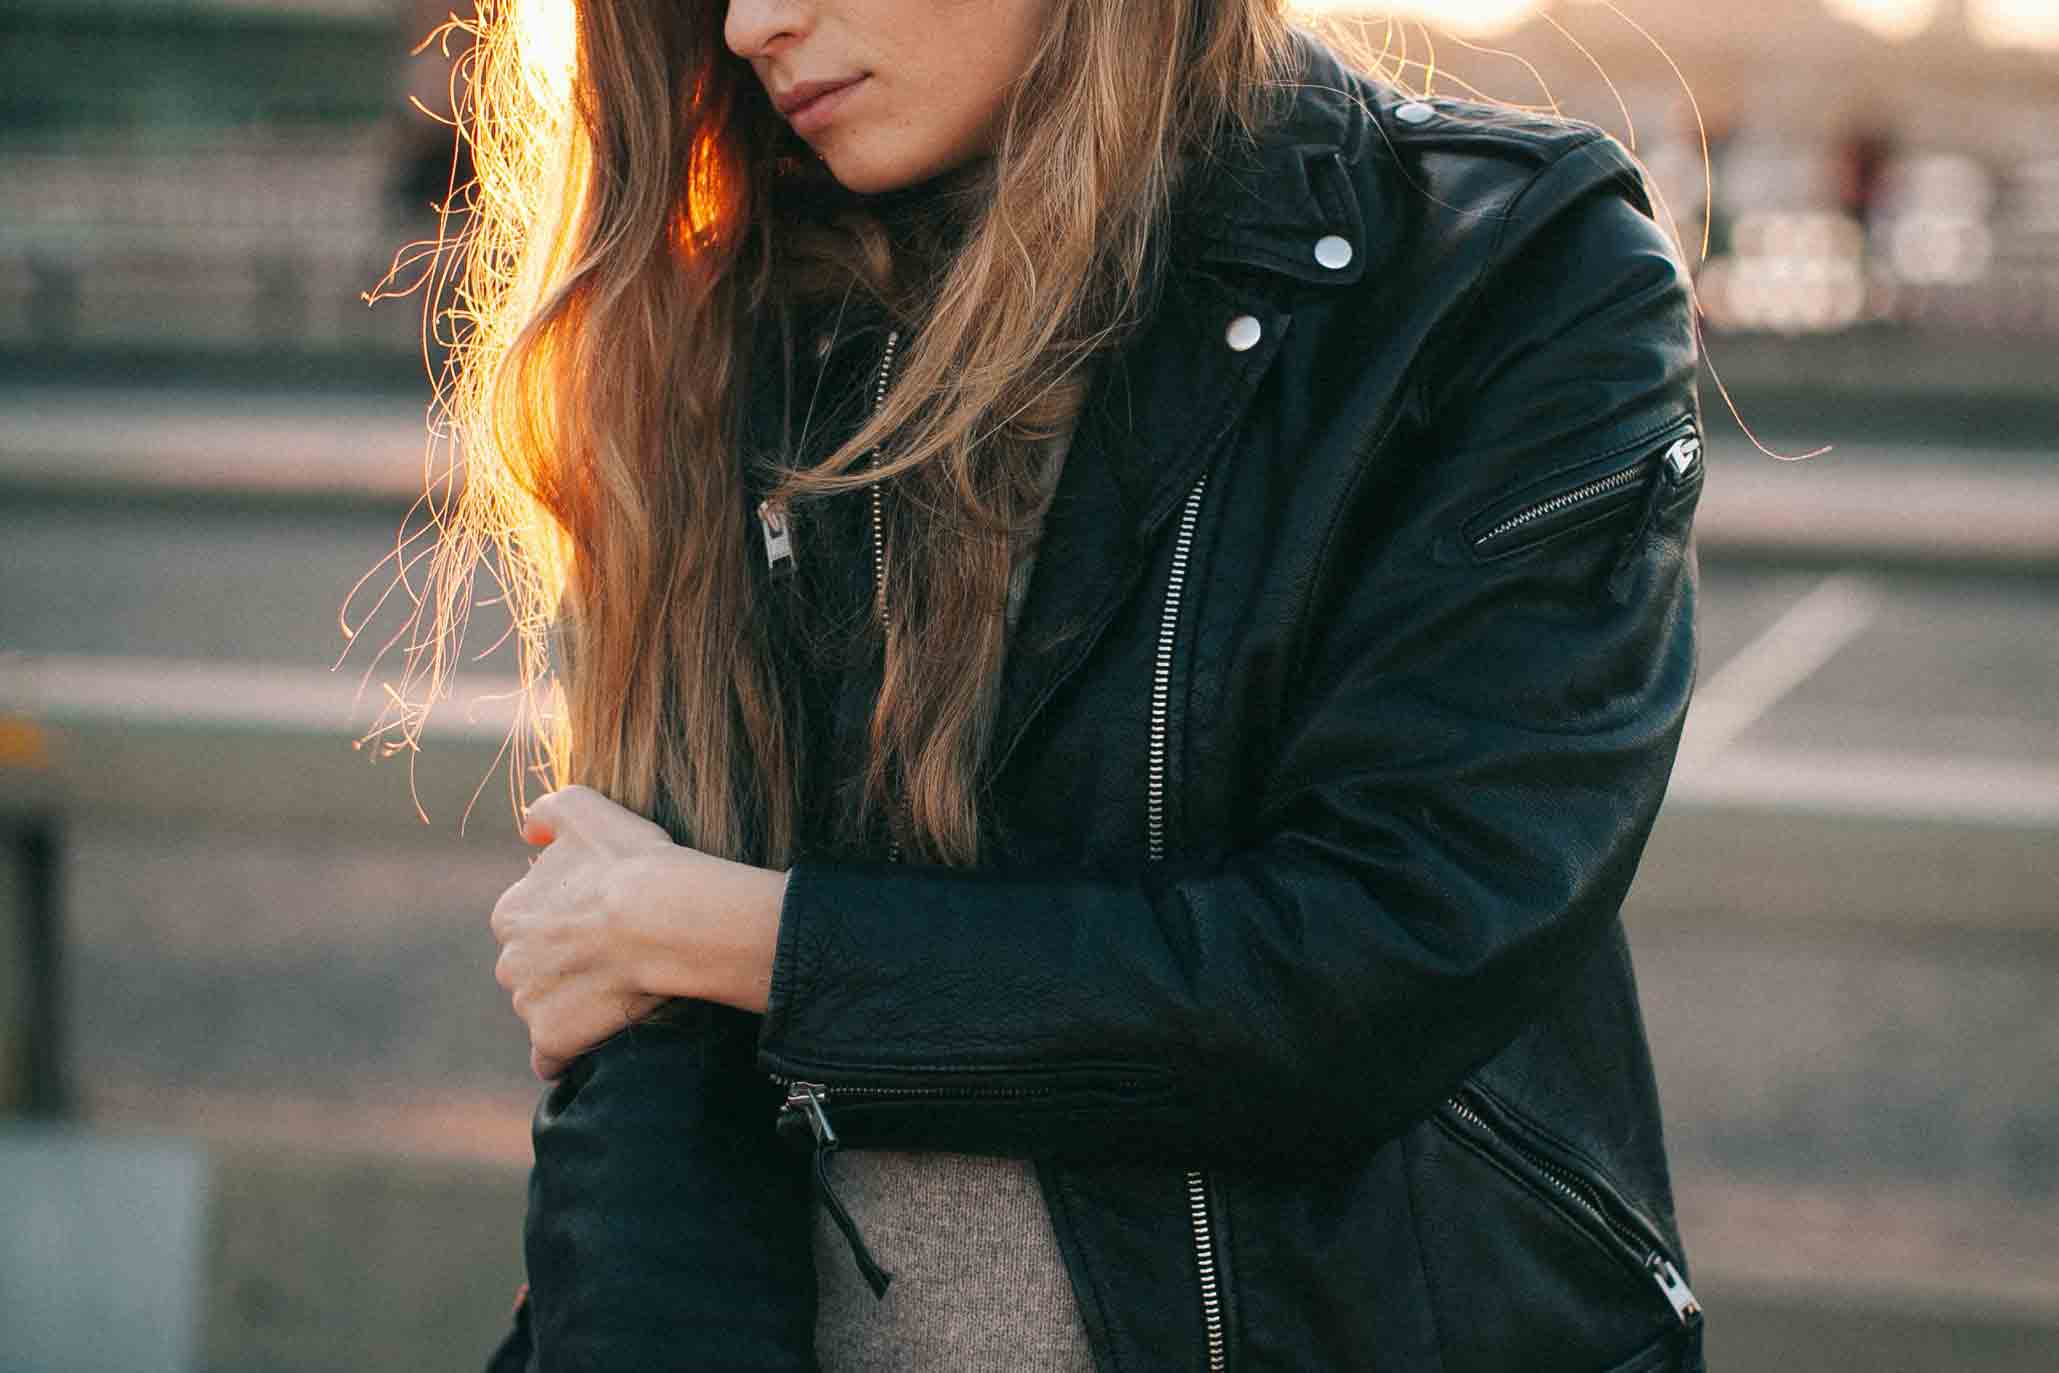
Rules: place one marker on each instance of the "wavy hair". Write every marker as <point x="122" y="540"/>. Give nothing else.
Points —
<point x="622" y="231"/>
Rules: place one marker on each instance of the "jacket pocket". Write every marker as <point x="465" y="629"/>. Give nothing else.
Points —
<point x="1579" y="1192"/>
<point x="1651" y="474"/>
<point x="1534" y="1260"/>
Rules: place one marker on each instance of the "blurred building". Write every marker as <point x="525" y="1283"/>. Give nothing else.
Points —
<point x="183" y="181"/>
<point x="187" y="177"/>
<point x="1873" y="161"/>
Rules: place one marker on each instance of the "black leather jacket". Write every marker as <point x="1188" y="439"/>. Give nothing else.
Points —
<point x="1301" y="974"/>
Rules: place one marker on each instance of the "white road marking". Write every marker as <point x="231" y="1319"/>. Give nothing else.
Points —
<point x="115" y="693"/>
<point x="263" y="697"/>
<point x="1923" y="788"/>
<point x="1785" y="654"/>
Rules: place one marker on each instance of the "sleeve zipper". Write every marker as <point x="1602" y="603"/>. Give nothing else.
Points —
<point x="1661" y="472"/>
<point x="1670" y="471"/>
<point x="804" y="1099"/>
<point x="804" y="1107"/>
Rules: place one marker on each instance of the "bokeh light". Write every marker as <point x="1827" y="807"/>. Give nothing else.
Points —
<point x="2014" y="23"/>
<point x="1892" y="19"/>
<point x="1467" y="18"/>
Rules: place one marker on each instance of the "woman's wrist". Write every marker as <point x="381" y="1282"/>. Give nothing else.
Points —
<point x="703" y="927"/>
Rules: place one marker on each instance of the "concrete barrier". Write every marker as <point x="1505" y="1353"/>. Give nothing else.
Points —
<point x="101" y="1255"/>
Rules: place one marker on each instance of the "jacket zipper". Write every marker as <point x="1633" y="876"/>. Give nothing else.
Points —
<point x="1679" y="459"/>
<point x="1662" y="472"/>
<point x="1637" y="1247"/>
<point x="879" y="564"/>
<point x="804" y="1102"/>
<point x="1579" y="495"/>
<point x="1154" y="839"/>
<point x="879" y="567"/>
<point x="804" y="1099"/>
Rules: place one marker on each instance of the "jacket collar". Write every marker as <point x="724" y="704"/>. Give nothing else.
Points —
<point x="1164" y="407"/>
<point x="1265" y="205"/>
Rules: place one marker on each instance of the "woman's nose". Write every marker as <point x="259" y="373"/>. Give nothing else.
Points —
<point x="759" y="28"/>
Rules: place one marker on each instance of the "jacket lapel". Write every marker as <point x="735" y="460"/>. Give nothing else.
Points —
<point x="1158" y="413"/>
<point x="1162" y="408"/>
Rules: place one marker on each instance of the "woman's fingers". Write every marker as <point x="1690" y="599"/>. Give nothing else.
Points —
<point x="570" y="972"/>
<point x="583" y="813"/>
<point x="563" y="1027"/>
<point x="554" y="812"/>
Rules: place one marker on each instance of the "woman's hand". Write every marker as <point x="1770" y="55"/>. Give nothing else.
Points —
<point x="613" y="918"/>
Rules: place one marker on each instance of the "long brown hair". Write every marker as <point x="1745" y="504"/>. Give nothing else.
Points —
<point x="624" y="228"/>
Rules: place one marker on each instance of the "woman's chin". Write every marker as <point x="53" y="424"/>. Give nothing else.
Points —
<point x="861" y="174"/>
<point x="862" y="177"/>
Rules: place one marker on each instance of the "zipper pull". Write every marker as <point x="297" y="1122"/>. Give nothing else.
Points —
<point x="1672" y="468"/>
<point x="779" y="536"/>
<point x="1623" y="573"/>
<point x="1682" y="454"/>
<point x="804" y="1100"/>
<point x="1675" y="1287"/>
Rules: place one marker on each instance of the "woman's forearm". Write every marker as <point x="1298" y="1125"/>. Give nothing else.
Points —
<point x="702" y="927"/>
<point x="613" y="917"/>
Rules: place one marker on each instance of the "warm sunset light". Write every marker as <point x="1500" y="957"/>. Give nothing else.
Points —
<point x="548" y="36"/>
<point x="1996" y="23"/>
<point x="1467" y="18"/>
<point x="2014" y="23"/>
<point x="1892" y="19"/>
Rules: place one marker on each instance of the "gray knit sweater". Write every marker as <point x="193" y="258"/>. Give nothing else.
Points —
<point x="978" y="1283"/>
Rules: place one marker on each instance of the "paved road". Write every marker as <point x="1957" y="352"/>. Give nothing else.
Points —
<point x="1846" y="929"/>
<point x="1930" y="690"/>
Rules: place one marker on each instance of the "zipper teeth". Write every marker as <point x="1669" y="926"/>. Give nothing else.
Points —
<point x="1654" y="1262"/>
<point x="1601" y="486"/>
<point x="879" y="565"/>
<point x="879" y="570"/>
<point x="1154" y="829"/>
<point x="824" y="1092"/>
<point x="1573" y="1189"/>
<point x="1204" y="1262"/>
<point x="1161" y="675"/>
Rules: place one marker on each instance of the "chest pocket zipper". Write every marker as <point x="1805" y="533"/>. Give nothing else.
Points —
<point x="1202" y="1223"/>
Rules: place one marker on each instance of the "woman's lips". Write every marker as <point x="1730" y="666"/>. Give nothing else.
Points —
<point x="813" y="114"/>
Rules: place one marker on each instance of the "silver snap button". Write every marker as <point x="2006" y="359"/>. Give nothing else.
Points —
<point x="1333" y="251"/>
<point x="1414" y="112"/>
<point x="1242" y="333"/>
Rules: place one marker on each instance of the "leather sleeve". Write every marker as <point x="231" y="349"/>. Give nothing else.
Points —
<point x="1457" y="800"/>
<point x="667" y="1226"/>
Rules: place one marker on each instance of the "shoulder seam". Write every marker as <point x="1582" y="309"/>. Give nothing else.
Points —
<point x="1508" y="214"/>
<point x="1491" y="261"/>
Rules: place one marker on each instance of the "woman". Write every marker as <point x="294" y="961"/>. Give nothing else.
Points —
<point x="1127" y="609"/>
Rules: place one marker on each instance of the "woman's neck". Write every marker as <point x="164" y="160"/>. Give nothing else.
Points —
<point x="931" y="219"/>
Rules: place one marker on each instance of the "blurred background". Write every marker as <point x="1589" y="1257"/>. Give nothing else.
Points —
<point x="262" y="1105"/>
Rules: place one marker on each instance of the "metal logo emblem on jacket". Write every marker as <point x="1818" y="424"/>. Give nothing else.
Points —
<point x="1301" y="975"/>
